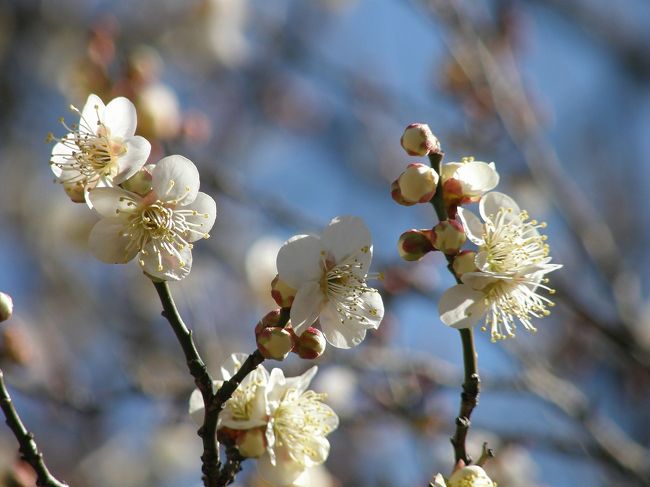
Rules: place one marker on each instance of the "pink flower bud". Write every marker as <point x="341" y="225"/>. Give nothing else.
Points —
<point x="251" y="443"/>
<point x="418" y="183"/>
<point x="448" y="237"/>
<point x="274" y="342"/>
<point x="418" y="140"/>
<point x="282" y="293"/>
<point x="141" y="182"/>
<point x="6" y="307"/>
<point x="414" y="244"/>
<point x="396" y="194"/>
<point x="272" y="318"/>
<point x="311" y="344"/>
<point x="464" y="262"/>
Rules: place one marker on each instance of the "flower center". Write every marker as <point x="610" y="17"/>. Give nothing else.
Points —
<point x="513" y="243"/>
<point x="345" y="284"/>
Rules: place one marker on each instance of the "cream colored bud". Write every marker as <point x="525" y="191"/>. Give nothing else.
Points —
<point x="6" y="307"/>
<point x="251" y="443"/>
<point x="448" y="237"/>
<point x="464" y="262"/>
<point x="274" y="342"/>
<point x="282" y="293"/>
<point x="418" y="140"/>
<point x="418" y="183"/>
<point x="311" y="344"/>
<point x="75" y="191"/>
<point x="414" y="244"/>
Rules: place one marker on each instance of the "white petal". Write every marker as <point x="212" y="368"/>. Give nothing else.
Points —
<point x="279" y="384"/>
<point x="461" y="306"/>
<point x="92" y="113"/>
<point x="120" y="117"/>
<point x="448" y="170"/>
<point x="472" y="226"/>
<point x="283" y="474"/>
<point x="439" y="481"/>
<point x="318" y="449"/>
<point x="61" y="155"/>
<point x="172" y="266"/>
<point x="477" y="177"/>
<point x="109" y="202"/>
<point x="347" y="236"/>
<point x="306" y="306"/>
<point x="206" y="210"/>
<point x="175" y="178"/>
<point x="372" y="309"/>
<point x="107" y="243"/>
<point x="233" y="364"/>
<point x="197" y="407"/>
<point x="341" y="335"/>
<point x="492" y="202"/>
<point x="136" y="155"/>
<point x="478" y="280"/>
<point x="299" y="260"/>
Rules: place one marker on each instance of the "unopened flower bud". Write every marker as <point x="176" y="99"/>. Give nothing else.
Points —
<point x="274" y="342"/>
<point x="464" y="262"/>
<point x="418" y="140"/>
<point x="414" y="244"/>
<point x="251" y="443"/>
<point x="396" y="194"/>
<point x="311" y="344"/>
<point x="418" y="183"/>
<point x="448" y="237"/>
<point x="272" y="318"/>
<point x="6" y="307"/>
<point x="282" y="293"/>
<point x="141" y="182"/>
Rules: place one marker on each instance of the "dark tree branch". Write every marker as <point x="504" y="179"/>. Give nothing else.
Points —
<point x="28" y="448"/>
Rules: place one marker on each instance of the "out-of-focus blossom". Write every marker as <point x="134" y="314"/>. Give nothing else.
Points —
<point x="101" y="150"/>
<point x="225" y="24"/>
<point x="159" y="227"/>
<point x="260" y="266"/>
<point x="513" y="259"/>
<point x="330" y="275"/>
<point x="159" y="111"/>
<point x="6" y="307"/>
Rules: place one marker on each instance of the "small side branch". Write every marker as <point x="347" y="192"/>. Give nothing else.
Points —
<point x="28" y="448"/>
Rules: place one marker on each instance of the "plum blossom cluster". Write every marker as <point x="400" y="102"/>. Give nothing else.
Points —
<point x="152" y="212"/>
<point x="470" y="476"/>
<point x="501" y="283"/>
<point x="275" y="419"/>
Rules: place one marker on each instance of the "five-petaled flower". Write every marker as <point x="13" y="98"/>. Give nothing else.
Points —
<point x="101" y="150"/>
<point x="465" y="182"/>
<point x="158" y="227"/>
<point x="329" y="273"/>
<point x="512" y="260"/>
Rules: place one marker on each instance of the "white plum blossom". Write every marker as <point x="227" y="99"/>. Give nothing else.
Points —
<point x="293" y="420"/>
<point x="471" y="476"/>
<point x="159" y="227"/>
<point x="299" y="422"/>
<point x="329" y="273"/>
<point x="101" y="150"/>
<point x="512" y="260"/>
<point x="247" y="407"/>
<point x="466" y="181"/>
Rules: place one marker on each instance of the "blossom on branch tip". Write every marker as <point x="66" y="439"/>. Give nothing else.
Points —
<point x="159" y="227"/>
<point x="418" y="140"/>
<point x="101" y="150"/>
<point x="512" y="260"/>
<point x="329" y="273"/>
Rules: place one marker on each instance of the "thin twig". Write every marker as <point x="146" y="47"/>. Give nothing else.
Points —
<point x="472" y="381"/>
<point x="202" y="379"/>
<point x="28" y="447"/>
